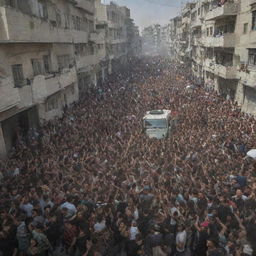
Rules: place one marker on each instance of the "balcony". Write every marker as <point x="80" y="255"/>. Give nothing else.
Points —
<point x="252" y="38"/>
<point x="85" y="62"/>
<point x="44" y="86"/>
<point x="226" y="72"/>
<point x="86" y="5"/>
<point x="196" y="23"/>
<point x="9" y="95"/>
<point x="197" y="41"/>
<point x="116" y="41"/>
<point x="16" y="26"/>
<point x="97" y="38"/>
<point x="224" y="41"/>
<point x="228" y="9"/>
<point x="247" y="77"/>
<point x="185" y="20"/>
<point x="197" y="59"/>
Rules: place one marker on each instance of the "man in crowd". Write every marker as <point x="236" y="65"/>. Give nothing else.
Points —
<point x="91" y="183"/>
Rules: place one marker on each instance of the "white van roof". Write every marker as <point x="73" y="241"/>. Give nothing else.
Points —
<point x="157" y="114"/>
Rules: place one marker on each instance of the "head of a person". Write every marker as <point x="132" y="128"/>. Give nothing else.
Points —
<point x="33" y="242"/>
<point x="212" y="243"/>
<point x="68" y="225"/>
<point x="239" y="193"/>
<point x="181" y="227"/>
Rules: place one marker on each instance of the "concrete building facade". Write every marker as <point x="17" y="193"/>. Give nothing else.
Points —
<point x="223" y="46"/>
<point x="151" y="39"/>
<point x="51" y="52"/>
<point x="122" y="37"/>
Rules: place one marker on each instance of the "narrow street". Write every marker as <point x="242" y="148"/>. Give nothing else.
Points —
<point x="94" y="174"/>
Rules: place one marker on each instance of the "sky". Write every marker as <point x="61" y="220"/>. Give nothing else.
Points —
<point x="148" y="12"/>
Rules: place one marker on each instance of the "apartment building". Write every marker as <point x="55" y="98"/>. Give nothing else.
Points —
<point x="223" y="44"/>
<point x="51" y="52"/>
<point x="245" y="56"/>
<point x="174" y="45"/>
<point x="147" y="40"/>
<point x="113" y="20"/>
<point x="134" y="41"/>
<point x="151" y="37"/>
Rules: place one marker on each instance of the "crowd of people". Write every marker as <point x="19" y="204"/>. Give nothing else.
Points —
<point x="91" y="183"/>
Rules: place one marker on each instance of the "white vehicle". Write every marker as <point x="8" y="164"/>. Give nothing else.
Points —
<point x="157" y="123"/>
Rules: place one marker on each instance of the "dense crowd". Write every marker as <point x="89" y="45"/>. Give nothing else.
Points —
<point x="91" y="183"/>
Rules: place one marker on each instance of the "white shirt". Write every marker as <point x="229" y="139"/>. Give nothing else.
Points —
<point x="99" y="226"/>
<point x="133" y="232"/>
<point x="71" y="208"/>
<point x="181" y="237"/>
<point x="27" y="208"/>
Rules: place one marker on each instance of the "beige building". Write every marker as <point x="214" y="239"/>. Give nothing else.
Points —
<point x="151" y="38"/>
<point x="112" y="21"/>
<point x="223" y="45"/>
<point x="51" y="51"/>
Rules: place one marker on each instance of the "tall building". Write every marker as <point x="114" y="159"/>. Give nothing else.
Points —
<point x="113" y="19"/>
<point x="51" y="51"/>
<point x="223" y="47"/>
<point x="151" y="39"/>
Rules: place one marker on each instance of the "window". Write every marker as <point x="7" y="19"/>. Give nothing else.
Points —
<point x="74" y="21"/>
<point x="58" y="19"/>
<point x="211" y="31"/>
<point x="254" y="20"/>
<point x="78" y="23"/>
<point x="80" y="49"/>
<point x="37" y="67"/>
<point x="18" y="76"/>
<point x="11" y="3"/>
<point x="67" y="21"/>
<point x="91" y="49"/>
<point x="43" y="12"/>
<point x="245" y="28"/>
<point x="52" y="103"/>
<point x="63" y="61"/>
<point x="252" y="57"/>
<point x="46" y="60"/>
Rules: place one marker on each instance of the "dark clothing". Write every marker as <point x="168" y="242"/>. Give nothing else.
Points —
<point x="8" y="244"/>
<point x="132" y="248"/>
<point x="201" y="243"/>
<point x="153" y="240"/>
<point x="53" y="232"/>
<point x="223" y="212"/>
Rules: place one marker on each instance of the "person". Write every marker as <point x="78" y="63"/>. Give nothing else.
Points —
<point x="213" y="249"/>
<point x="42" y="243"/>
<point x="181" y="239"/>
<point x="98" y="186"/>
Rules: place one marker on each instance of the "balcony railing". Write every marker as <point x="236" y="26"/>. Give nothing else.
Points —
<point x="196" y="23"/>
<point x="43" y="86"/>
<point x="225" y="41"/>
<point x="98" y="38"/>
<point x="16" y="26"/>
<point x="226" y="72"/>
<point x="228" y="9"/>
<point x="9" y="95"/>
<point x="247" y="75"/>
